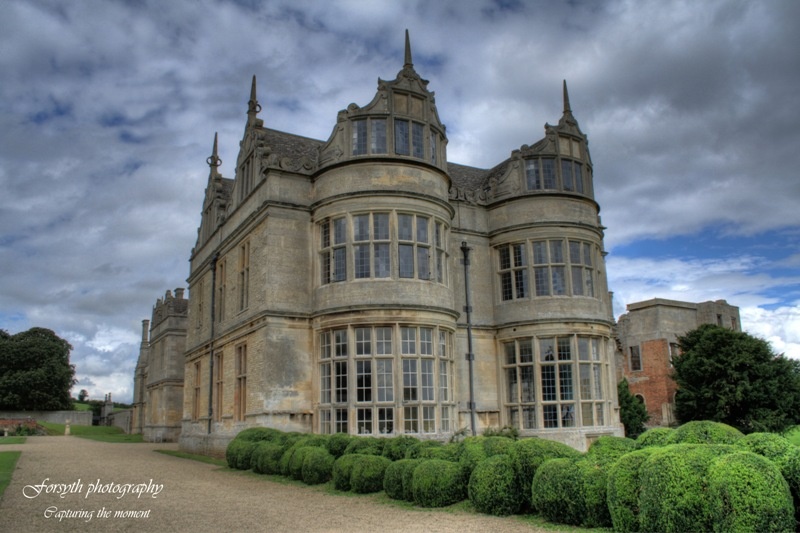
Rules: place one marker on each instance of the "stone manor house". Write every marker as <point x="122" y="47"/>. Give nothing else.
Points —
<point x="365" y="284"/>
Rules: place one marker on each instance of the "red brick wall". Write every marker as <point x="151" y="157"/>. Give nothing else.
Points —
<point x="653" y="382"/>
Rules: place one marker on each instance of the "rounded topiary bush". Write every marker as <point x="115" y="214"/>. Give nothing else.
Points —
<point x="342" y="470"/>
<point x="408" y="478"/>
<point x="296" y="462"/>
<point x="496" y="445"/>
<point x="594" y="483"/>
<point x="557" y="492"/>
<point x="528" y="454"/>
<point x="448" y="452"/>
<point x="653" y="437"/>
<point x="790" y="469"/>
<point x="238" y="453"/>
<point x="704" y="432"/>
<point x="266" y="457"/>
<point x="472" y="453"/>
<point x="393" y="479"/>
<point x="337" y="443"/>
<point x="623" y="488"/>
<point x="607" y="449"/>
<point x="259" y="434"/>
<point x="368" y="472"/>
<point x="493" y="487"/>
<point x="437" y="483"/>
<point x="673" y="487"/>
<point x="417" y="450"/>
<point x="317" y="466"/>
<point x="286" y="459"/>
<point x="746" y="492"/>
<point x="396" y="447"/>
<point x="769" y="445"/>
<point x="365" y="446"/>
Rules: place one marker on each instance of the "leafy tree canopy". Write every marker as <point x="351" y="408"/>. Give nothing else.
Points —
<point x="732" y="377"/>
<point x="632" y="411"/>
<point x="35" y="373"/>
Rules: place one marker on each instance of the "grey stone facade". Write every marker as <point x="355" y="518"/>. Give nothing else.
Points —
<point x="327" y="284"/>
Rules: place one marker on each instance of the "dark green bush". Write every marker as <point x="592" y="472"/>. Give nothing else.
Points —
<point x="594" y="483"/>
<point x="472" y="453"/>
<point x="496" y="445"/>
<point x="286" y="459"/>
<point x="447" y="452"/>
<point x="704" y="432"/>
<point x="623" y="490"/>
<point x="338" y="442"/>
<point x="393" y="479"/>
<point x="296" y="462"/>
<point x="416" y="451"/>
<point x="396" y="447"/>
<point x="557" y="492"/>
<point x="438" y="483"/>
<point x="365" y="446"/>
<point x="368" y="472"/>
<point x="608" y="449"/>
<point x="317" y="466"/>
<point x="238" y="453"/>
<point x="493" y="487"/>
<point x="769" y="445"/>
<point x="342" y="470"/>
<point x="654" y="437"/>
<point x="266" y="457"/>
<point x="790" y="469"/>
<point x="259" y="434"/>
<point x="506" y="431"/>
<point x="674" y="482"/>
<point x="408" y="478"/>
<point x="528" y="454"/>
<point x="746" y="492"/>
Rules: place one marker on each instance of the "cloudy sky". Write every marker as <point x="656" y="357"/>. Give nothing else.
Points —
<point x="108" y="111"/>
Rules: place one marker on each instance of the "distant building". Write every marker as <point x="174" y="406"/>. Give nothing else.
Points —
<point x="648" y="336"/>
<point x="327" y="286"/>
<point x="158" y="381"/>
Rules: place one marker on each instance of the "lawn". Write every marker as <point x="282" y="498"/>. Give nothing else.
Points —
<point x="12" y="440"/>
<point x="8" y="460"/>
<point x="101" y="433"/>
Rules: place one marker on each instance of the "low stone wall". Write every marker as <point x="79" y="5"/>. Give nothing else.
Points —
<point x="76" y="418"/>
<point x="121" y="419"/>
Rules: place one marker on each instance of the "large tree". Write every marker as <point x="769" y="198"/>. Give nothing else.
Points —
<point x="732" y="377"/>
<point x="35" y="373"/>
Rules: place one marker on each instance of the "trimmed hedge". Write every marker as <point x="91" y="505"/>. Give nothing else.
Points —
<point x="494" y="488"/>
<point x="594" y="482"/>
<point x="317" y="466"/>
<point x="528" y="454"/>
<point x="338" y="442"/>
<point x="342" y="470"/>
<point x="367" y="474"/>
<point x="286" y="459"/>
<point x="622" y="494"/>
<point x="654" y="437"/>
<point x="608" y="449"/>
<point x="746" y="492"/>
<point x="704" y="432"/>
<point x="557" y="492"/>
<point x="438" y="483"/>
<point x="673" y="493"/>
<point x="238" y="453"/>
<point x="260" y="434"/>
<point x="296" y="462"/>
<point x="408" y="478"/>
<point x="472" y="453"/>
<point x="396" y="447"/>
<point x="448" y="452"/>
<point x="790" y="469"/>
<point x="769" y="445"/>
<point x="496" y="445"/>
<point x="266" y="457"/>
<point x="365" y="446"/>
<point x="393" y="478"/>
<point x="417" y="450"/>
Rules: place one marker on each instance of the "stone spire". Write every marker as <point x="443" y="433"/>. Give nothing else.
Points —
<point x="213" y="160"/>
<point x="408" y="63"/>
<point x="567" y="108"/>
<point x="253" y="107"/>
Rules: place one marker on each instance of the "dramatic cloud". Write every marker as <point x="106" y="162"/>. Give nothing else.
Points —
<point x="108" y="111"/>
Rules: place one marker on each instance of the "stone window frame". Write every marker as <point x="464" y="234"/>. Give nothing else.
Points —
<point x="369" y="136"/>
<point x="562" y="387"/>
<point x="566" y="171"/>
<point x="240" y="383"/>
<point x="513" y="269"/>
<point x="219" y="384"/>
<point x="635" y="358"/>
<point x="416" y="360"/>
<point x="244" y="275"/>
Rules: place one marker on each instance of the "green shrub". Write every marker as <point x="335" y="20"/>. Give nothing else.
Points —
<point x="623" y="490"/>
<point x="674" y="482"/>
<point x="393" y="478"/>
<point x="286" y="459"/>
<point x="317" y="466"/>
<point x="365" y="446"/>
<point x="506" y="431"/>
<point x="496" y="445"/>
<point x="704" y="432"/>
<point x="472" y="453"/>
<point x="493" y="487"/>
<point x="260" y="434"/>
<point x="447" y="452"/>
<point x="594" y="483"/>
<point x="338" y="442"/>
<point x="557" y="492"/>
<point x="408" y="478"/>
<point x="342" y="470"/>
<point x="437" y="483"/>
<point x="416" y="451"/>
<point x="296" y="462"/>
<point x="266" y="457"/>
<point x="790" y="469"/>
<point x="396" y="447"/>
<point x="528" y="454"/>
<point x="608" y="449"/>
<point x="654" y="437"/>
<point x="368" y="472"/>
<point x="769" y="445"/>
<point x="746" y="492"/>
<point x="238" y="453"/>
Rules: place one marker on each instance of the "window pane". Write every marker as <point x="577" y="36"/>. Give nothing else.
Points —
<point x="511" y="353"/>
<point x="378" y="135"/>
<point x="341" y="381"/>
<point x="521" y="282"/>
<point x="566" y="175"/>
<point x="325" y="383"/>
<point x="564" y="349"/>
<point x="382" y="261"/>
<point x="364" y="421"/>
<point x="542" y="280"/>
<point x="506" y="287"/>
<point x="339" y="264"/>
<point x="383" y="341"/>
<point x="385" y="420"/>
<point x="577" y="281"/>
<point x="380" y="223"/>
<point x="527" y="389"/>
<point x="340" y="342"/>
<point x="325" y="234"/>
<point x="445" y="420"/>
<point x="406" y="258"/>
<point x="511" y="383"/>
<point x="426" y="375"/>
<point x="364" y="381"/>
<point x="429" y="419"/>
<point x="401" y="141"/>
<point x="359" y="137"/>
<point x="587" y="414"/>
<point x="339" y="231"/>
<point x="325" y="422"/>
<point x="405" y="224"/>
<point x="549" y="383"/>
<point x="361" y="260"/>
<point x="556" y="252"/>
<point x="565" y="382"/>
<point x="505" y="257"/>
<point x="567" y="415"/>
<point x="411" y="422"/>
<point x="598" y="382"/>
<point x="423" y="262"/>
<point x="559" y="281"/>
<point x="586" y="382"/>
<point x="549" y="173"/>
<point x="519" y="255"/>
<point x="416" y="132"/>
<point x="410" y="380"/>
<point x="528" y="417"/>
<point x="550" y="414"/>
<point x="409" y="341"/>
<point x="540" y="253"/>
<point x="385" y="381"/>
<point x="422" y="229"/>
<point x="341" y="421"/>
<point x="532" y="175"/>
<point x="578" y="177"/>
<point x="325" y="345"/>
<point x="444" y="382"/>
<point x="583" y="348"/>
<point x="361" y="227"/>
<point x="426" y="341"/>
<point x="526" y="351"/>
<point x="363" y="341"/>
<point x="547" y="350"/>
<point x="575" y="252"/>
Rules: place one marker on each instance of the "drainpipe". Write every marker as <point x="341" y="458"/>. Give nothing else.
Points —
<point x="470" y="355"/>
<point x="211" y="346"/>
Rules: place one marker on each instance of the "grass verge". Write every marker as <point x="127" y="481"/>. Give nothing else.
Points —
<point x="8" y="461"/>
<point x="12" y="440"/>
<point x="99" y="433"/>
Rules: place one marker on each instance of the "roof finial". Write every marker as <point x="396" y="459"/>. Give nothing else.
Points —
<point x="408" y="62"/>
<point x="213" y="160"/>
<point x="567" y="109"/>
<point x="253" y="107"/>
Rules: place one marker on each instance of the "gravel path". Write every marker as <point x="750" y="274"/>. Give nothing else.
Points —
<point x="170" y="494"/>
